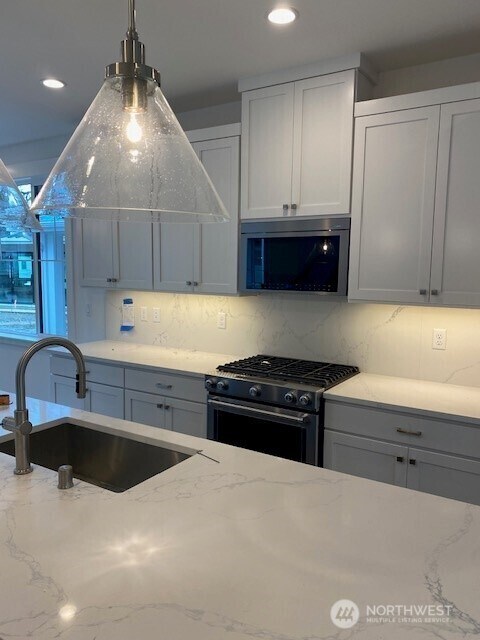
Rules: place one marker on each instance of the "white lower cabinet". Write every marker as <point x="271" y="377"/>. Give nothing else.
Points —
<point x="444" y="475"/>
<point x="168" y="413"/>
<point x="386" y="446"/>
<point x="171" y="401"/>
<point x="100" y="398"/>
<point x="365" y="458"/>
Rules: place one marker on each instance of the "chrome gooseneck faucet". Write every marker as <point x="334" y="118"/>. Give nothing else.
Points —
<point x="19" y="423"/>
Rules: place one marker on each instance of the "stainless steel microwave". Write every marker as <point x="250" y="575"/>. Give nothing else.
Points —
<point x="295" y="255"/>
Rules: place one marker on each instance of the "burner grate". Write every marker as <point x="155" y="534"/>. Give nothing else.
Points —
<point x="322" y="374"/>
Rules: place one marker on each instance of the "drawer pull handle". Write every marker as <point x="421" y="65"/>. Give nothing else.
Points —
<point x="434" y="292"/>
<point x="159" y="406"/>
<point x="400" y="458"/>
<point x="423" y="292"/>
<point x="412" y="461"/>
<point x="167" y="407"/>
<point x="162" y="385"/>
<point x="188" y="283"/>
<point x="195" y="283"/>
<point x="408" y="432"/>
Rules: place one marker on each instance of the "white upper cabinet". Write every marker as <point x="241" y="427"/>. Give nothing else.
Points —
<point x="202" y="258"/>
<point x="297" y="147"/>
<point x="115" y="254"/>
<point x="415" y="202"/>
<point x="217" y="244"/>
<point x="393" y="204"/>
<point x="456" y="257"/>
<point x="267" y="144"/>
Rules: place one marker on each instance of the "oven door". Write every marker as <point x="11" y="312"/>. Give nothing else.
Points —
<point x="276" y="431"/>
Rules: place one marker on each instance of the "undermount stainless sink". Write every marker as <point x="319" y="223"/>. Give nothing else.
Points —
<point x="106" y="460"/>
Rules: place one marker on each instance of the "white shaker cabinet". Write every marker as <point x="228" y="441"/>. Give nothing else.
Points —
<point x="202" y="258"/>
<point x="393" y="205"/>
<point x="415" y="199"/>
<point x="455" y="277"/>
<point x="366" y="458"/>
<point x="297" y="147"/>
<point x="115" y="254"/>
<point x="101" y="398"/>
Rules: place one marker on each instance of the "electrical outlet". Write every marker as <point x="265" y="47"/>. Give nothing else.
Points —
<point x="221" y="320"/>
<point x="439" y="339"/>
<point x="156" y="314"/>
<point x="144" y="314"/>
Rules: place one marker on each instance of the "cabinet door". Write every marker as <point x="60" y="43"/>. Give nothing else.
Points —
<point x="63" y="392"/>
<point x="456" y="258"/>
<point x="365" y="458"/>
<point x="96" y="241"/>
<point x="216" y="264"/>
<point x="174" y="247"/>
<point x="322" y="144"/>
<point x="106" y="400"/>
<point x="267" y="149"/>
<point x="134" y="255"/>
<point x="186" y="417"/>
<point x="145" y="408"/>
<point x="444" y="475"/>
<point x="392" y="205"/>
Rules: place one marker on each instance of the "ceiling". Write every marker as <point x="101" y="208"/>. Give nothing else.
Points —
<point x="202" y="47"/>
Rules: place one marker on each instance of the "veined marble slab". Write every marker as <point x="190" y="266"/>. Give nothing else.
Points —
<point x="433" y="399"/>
<point x="236" y="546"/>
<point x="152" y="356"/>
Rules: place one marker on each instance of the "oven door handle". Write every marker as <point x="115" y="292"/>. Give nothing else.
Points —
<point x="304" y="418"/>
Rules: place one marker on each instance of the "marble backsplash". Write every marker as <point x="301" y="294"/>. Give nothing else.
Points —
<point x="383" y="339"/>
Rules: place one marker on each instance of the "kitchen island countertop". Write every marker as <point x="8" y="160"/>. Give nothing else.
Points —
<point x="234" y="546"/>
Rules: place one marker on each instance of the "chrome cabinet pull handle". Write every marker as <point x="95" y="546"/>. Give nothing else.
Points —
<point x="400" y="458"/>
<point x="294" y="208"/>
<point x="167" y="407"/>
<point x="162" y="385"/>
<point x="195" y="283"/>
<point x="285" y="207"/>
<point x="423" y="292"/>
<point x="109" y="280"/>
<point x="159" y="406"/>
<point x="188" y="283"/>
<point x="412" y="461"/>
<point x="434" y="292"/>
<point x="408" y="432"/>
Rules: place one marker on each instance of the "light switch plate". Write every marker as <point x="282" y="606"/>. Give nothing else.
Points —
<point x="143" y="314"/>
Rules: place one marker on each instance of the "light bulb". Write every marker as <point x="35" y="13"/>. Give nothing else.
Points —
<point x="134" y="130"/>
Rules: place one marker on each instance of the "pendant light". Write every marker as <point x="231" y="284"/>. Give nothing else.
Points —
<point x="129" y="158"/>
<point x="14" y="214"/>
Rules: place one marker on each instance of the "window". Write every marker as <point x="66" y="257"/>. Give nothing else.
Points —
<point x="32" y="278"/>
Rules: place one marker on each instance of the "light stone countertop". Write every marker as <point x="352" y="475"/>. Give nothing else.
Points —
<point x="248" y="547"/>
<point x="420" y="397"/>
<point x="151" y="356"/>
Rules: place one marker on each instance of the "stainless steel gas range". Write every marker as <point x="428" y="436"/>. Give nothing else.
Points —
<point x="273" y="405"/>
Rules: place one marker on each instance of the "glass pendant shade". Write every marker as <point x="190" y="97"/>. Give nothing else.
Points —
<point x="129" y="159"/>
<point x="14" y="213"/>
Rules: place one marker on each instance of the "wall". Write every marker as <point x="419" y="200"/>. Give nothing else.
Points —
<point x="434" y="75"/>
<point x="381" y="339"/>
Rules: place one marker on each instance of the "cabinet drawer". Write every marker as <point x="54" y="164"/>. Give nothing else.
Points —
<point x="96" y="372"/>
<point x="166" y="384"/>
<point x="440" y="435"/>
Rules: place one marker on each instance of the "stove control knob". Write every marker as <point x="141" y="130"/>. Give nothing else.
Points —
<point x="305" y="400"/>
<point x="290" y="397"/>
<point x="255" y="391"/>
<point x="222" y="385"/>
<point x="210" y="383"/>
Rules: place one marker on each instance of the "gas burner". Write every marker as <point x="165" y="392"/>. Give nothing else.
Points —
<point x="319" y="374"/>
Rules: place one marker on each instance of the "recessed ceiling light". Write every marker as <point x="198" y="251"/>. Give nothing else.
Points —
<point x="51" y="83"/>
<point x="282" y="15"/>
